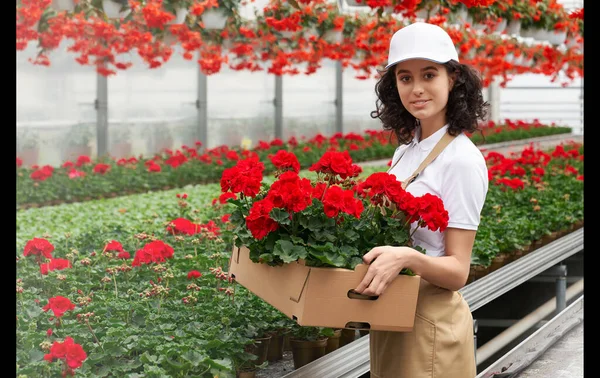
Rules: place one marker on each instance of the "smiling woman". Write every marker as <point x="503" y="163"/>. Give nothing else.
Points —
<point x="430" y="101"/>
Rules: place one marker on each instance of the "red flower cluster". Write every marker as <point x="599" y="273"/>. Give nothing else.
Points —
<point x="42" y="249"/>
<point x="336" y="163"/>
<point x="383" y="189"/>
<point x="59" y="305"/>
<point x="259" y="221"/>
<point x="116" y="246"/>
<point x="291" y="194"/>
<point x="338" y="200"/>
<point x="193" y="274"/>
<point x="245" y="177"/>
<point x="176" y="160"/>
<point x="69" y="351"/>
<point x="284" y="160"/>
<point x="153" y="252"/>
<point x="55" y="264"/>
<point x="183" y="226"/>
<point x="101" y="168"/>
<point x="38" y="247"/>
<point x="152" y="166"/>
<point x="43" y="173"/>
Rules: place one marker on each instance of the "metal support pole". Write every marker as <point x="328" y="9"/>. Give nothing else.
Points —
<point x="561" y="288"/>
<point x="101" y="105"/>
<point x="339" y="98"/>
<point x="278" y="102"/>
<point x="201" y="105"/>
<point x="494" y="100"/>
<point x="475" y="339"/>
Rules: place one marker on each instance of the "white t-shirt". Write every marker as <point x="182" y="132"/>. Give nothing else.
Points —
<point x="458" y="176"/>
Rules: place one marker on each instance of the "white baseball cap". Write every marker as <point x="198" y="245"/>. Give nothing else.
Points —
<point x="421" y="40"/>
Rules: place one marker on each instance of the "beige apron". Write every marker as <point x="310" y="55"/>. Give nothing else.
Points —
<point x="441" y="343"/>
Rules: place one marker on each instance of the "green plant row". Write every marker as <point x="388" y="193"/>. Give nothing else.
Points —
<point x="147" y="211"/>
<point x="136" y="178"/>
<point x="153" y="321"/>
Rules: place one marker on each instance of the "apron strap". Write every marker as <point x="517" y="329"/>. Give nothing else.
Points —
<point x="437" y="149"/>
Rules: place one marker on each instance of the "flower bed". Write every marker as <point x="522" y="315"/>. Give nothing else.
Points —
<point x="137" y="286"/>
<point x="85" y="179"/>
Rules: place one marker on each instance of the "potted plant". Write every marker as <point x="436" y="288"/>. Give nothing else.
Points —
<point x="333" y="338"/>
<point x="427" y="9"/>
<point x="308" y="344"/>
<point x="297" y="218"/>
<point x="180" y="8"/>
<point x="278" y="327"/>
<point x="28" y="145"/>
<point x="514" y="14"/>
<point x="487" y="19"/>
<point x="215" y="18"/>
<point x="116" y="8"/>
<point x="63" y="5"/>
<point x="548" y="22"/>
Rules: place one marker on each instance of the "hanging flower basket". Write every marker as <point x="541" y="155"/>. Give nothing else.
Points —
<point x="557" y="37"/>
<point x="427" y="12"/>
<point x="333" y="36"/>
<point x="354" y="3"/>
<point x="514" y="27"/>
<point x="214" y="18"/>
<point x="461" y="15"/>
<point x="63" y="5"/>
<point x="115" y="8"/>
<point x="500" y="26"/>
<point x="180" y="15"/>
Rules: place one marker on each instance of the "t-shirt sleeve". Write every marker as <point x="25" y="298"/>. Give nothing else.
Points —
<point x="464" y="189"/>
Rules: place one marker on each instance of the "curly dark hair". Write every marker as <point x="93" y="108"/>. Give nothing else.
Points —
<point x="464" y="109"/>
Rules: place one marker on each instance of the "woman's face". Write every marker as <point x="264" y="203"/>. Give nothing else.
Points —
<point x="423" y="87"/>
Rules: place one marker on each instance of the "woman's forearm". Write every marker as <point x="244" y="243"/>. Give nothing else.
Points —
<point x="444" y="271"/>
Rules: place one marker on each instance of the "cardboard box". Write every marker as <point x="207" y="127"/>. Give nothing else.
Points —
<point x="320" y="296"/>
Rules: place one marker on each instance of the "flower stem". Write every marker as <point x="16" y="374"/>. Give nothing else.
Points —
<point x="115" y="281"/>
<point x="87" y="322"/>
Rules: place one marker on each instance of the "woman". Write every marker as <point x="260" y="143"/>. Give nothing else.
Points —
<point x="430" y="100"/>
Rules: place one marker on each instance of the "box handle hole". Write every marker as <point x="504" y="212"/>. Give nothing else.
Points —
<point x="354" y="295"/>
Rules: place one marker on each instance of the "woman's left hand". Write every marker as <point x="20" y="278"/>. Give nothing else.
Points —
<point x="385" y="263"/>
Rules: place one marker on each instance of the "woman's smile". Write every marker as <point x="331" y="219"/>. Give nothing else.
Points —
<point x="419" y="104"/>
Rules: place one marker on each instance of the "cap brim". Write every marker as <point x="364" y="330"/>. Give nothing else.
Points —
<point x="439" y="61"/>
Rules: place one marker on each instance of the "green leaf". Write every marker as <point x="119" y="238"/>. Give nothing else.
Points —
<point x="148" y="358"/>
<point x="33" y="311"/>
<point x="179" y="366"/>
<point x="280" y="216"/>
<point x="213" y="344"/>
<point x="36" y="355"/>
<point x="193" y="357"/>
<point x="289" y="252"/>
<point x="266" y="257"/>
<point x="221" y="364"/>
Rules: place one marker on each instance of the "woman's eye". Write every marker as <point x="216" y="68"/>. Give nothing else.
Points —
<point x="404" y="78"/>
<point x="429" y="76"/>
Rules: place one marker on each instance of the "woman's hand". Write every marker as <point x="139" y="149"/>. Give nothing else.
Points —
<point x="385" y="263"/>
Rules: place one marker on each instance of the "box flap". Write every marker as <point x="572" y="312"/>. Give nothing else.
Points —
<point x="298" y="288"/>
